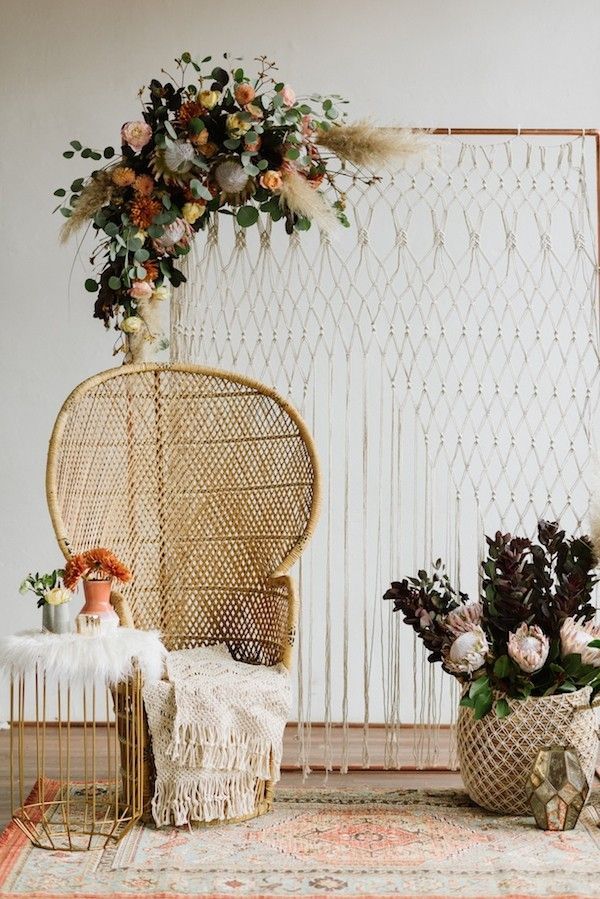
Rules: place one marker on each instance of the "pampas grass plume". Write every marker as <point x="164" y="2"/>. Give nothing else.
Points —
<point x="303" y="200"/>
<point x="96" y="194"/>
<point x="369" y="146"/>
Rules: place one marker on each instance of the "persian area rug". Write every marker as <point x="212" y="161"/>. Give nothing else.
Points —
<point x="322" y="843"/>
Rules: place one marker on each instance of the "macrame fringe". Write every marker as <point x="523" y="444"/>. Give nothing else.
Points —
<point x="213" y="796"/>
<point x="197" y="745"/>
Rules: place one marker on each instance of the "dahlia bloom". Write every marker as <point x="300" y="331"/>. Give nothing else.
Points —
<point x="123" y="176"/>
<point x="136" y="135"/>
<point x="143" y="185"/>
<point x="575" y="637"/>
<point x="528" y="647"/>
<point x="95" y="564"/>
<point x="468" y="652"/>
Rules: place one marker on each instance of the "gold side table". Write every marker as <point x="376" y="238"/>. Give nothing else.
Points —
<point x="86" y="773"/>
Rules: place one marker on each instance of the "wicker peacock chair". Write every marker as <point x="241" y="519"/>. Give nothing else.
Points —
<point x="207" y="485"/>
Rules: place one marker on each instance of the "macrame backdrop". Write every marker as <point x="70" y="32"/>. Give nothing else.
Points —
<point x="444" y="352"/>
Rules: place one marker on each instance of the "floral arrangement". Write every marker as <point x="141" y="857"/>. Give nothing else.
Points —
<point x="531" y="633"/>
<point x="97" y="564"/>
<point x="47" y="588"/>
<point x="213" y="141"/>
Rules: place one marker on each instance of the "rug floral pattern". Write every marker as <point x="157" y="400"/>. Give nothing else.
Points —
<point x="408" y="843"/>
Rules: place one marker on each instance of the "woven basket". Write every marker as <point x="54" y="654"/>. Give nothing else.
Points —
<point x="496" y="754"/>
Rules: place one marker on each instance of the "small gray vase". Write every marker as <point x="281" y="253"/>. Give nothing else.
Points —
<point x="56" y="619"/>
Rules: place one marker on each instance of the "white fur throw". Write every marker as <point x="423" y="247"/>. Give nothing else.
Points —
<point x="105" y="657"/>
<point x="216" y="727"/>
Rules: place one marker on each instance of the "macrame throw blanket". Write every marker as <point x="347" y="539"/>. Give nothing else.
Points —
<point x="216" y="727"/>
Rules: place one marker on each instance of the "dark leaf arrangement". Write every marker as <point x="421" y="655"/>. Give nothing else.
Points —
<point x="213" y="140"/>
<point x="532" y="631"/>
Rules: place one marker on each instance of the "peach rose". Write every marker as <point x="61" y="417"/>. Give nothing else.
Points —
<point x="136" y="135"/>
<point x="288" y="95"/>
<point x="253" y="144"/>
<point x="244" y="93"/>
<point x="141" y="290"/>
<point x="271" y="180"/>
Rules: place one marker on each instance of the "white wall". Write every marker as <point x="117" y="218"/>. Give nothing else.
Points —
<point x="71" y="69"/>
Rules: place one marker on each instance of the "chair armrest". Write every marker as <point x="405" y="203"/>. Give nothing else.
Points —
<point x="121" y="607"/>
<point x="288" y="639"/>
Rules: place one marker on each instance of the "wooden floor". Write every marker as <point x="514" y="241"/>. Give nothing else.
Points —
<point x="291" y="776"/>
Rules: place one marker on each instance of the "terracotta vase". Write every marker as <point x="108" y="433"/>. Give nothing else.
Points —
<point x="97" y="602"/>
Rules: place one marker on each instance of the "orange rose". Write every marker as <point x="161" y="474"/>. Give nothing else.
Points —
<point x="271" y="180"/>
<point x="244" y="93"/>
<point x="209" y="150"/>
<point x="199" y="140"/>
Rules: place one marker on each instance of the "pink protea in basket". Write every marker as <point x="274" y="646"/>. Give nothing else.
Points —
<point x="527" y="653"/>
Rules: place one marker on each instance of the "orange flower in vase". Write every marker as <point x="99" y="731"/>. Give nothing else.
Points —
<point x="98" y="568"/>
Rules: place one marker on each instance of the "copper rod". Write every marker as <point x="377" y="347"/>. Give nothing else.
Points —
<point x="520" y="132"/>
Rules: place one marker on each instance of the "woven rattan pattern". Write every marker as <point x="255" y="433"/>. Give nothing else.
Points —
<point x="496" y="755"/>
<point x="204" y="483"/>
<point x="207" y="485"/>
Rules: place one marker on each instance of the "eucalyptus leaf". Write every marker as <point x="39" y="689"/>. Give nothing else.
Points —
<point x="199" y="190"/>
<point x="247" y="216"/>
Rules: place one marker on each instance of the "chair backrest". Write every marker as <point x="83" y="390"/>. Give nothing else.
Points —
<point x="205" y="483"/>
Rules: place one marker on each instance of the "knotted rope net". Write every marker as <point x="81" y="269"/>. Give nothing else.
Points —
<point x="444" y="353"/>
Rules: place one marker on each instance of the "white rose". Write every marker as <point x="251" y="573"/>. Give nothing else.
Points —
<point x="468" y="652"/>
<point x="161" y="293"/>
<point x="131" y="324"/>
<point x="57" y="596"/>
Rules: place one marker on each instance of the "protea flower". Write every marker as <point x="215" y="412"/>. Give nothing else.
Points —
<point x="234" y="184"/>
<point x="576" y="636"/>
<point x="179" y="157"/>
<point x="528" y="647"/>
<point x="177" y="233"/>
<point x="468" y="652"/>
<point x="465" y="617"/>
